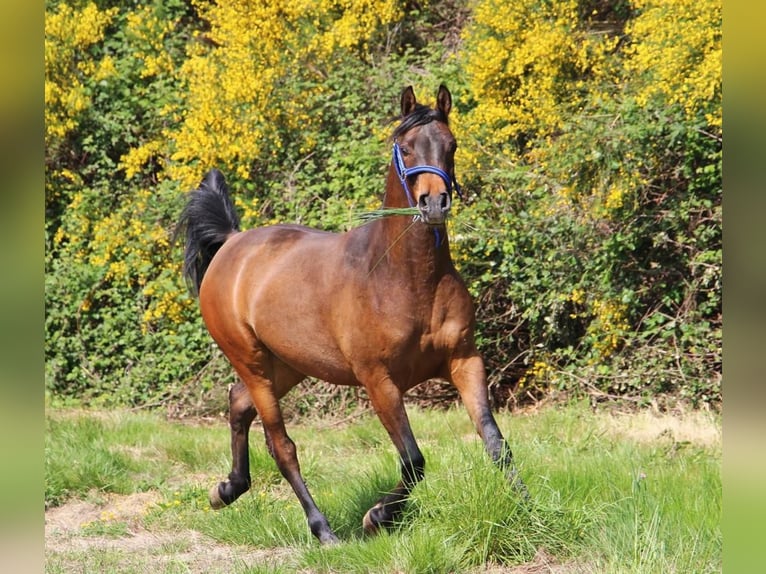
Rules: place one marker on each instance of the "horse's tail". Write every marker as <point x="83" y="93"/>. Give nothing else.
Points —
<point x="208" y="220"/>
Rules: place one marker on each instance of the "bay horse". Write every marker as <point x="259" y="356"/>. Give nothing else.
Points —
<point x="380" y="306"/>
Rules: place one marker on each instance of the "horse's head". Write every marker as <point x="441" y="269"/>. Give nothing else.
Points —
<point x="424" y="155"/>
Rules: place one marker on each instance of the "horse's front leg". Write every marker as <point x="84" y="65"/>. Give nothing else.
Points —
<point x="241" y="415"/>
<point x="469" y="377"/>
<point x="387" y="400"/>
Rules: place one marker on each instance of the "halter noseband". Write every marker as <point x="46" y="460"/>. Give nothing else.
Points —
<point x="404" y="172"/>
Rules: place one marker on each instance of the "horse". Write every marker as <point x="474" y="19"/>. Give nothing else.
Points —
<point x="379" y="306"/>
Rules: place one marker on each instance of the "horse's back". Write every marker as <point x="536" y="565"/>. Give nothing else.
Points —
<point x="274" y="288"/>
<point x="277" y="238"/>
<point x="267" y="262"/>
<point x="265" y="246"/>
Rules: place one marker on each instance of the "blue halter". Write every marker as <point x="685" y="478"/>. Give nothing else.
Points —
<point x="404" y="172"/>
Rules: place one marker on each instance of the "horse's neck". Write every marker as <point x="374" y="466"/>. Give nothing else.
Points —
<point x="410" y="247"/>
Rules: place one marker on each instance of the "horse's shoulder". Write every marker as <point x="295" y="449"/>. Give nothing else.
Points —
<point x="453" y="312"/>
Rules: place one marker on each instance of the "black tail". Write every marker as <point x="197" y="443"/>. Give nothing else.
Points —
<point x="207" y="220"/>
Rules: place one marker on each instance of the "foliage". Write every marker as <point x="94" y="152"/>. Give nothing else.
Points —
<point x="118" y="321"/>
<point x="609" y="262"/>
<point x="255" y="80"/>
<point x="687" y="73"/>
<point x="69" y="38"/>
<point x="529" y="65"/>
<point x="590" y="150"/>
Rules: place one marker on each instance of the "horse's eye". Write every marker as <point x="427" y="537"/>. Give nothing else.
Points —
<point x="405" y="151"/>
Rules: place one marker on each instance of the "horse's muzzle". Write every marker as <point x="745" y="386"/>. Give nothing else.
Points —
<point x="434" y="208"/>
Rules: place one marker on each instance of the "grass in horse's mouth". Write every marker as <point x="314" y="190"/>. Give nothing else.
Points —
<point x="374" y="214"/>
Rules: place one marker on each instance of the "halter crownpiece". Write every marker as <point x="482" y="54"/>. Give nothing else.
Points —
<point x="404" y="172"/>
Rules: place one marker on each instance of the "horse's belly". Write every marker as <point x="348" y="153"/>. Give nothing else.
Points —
<point x="312" y="357"/>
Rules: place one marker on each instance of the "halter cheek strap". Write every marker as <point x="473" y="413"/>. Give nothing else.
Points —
<point x="404" y="172"/>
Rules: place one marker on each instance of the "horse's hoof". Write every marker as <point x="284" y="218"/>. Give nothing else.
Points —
<point x="329" y="540"/>
<point x="368" y="524"/>
<point x="214" y="496"/>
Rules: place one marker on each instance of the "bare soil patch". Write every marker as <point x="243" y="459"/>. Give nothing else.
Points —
<point x="542" y="563"/>
<point x="695" y="427"/>
<point x="69" y="549"/>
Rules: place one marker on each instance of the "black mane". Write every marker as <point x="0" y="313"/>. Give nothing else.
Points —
<point x="420" y="116"/>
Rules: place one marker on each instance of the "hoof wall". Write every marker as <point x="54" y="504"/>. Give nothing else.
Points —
<point x="370" y="527"/>
<point x="214" y="496"/>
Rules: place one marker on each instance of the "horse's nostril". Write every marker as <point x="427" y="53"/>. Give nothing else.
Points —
<point x="444" y="201"/>
<point x="423" y="201"/>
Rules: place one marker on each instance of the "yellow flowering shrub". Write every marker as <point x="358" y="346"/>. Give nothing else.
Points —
<point x="608" y="329"/>
<point x="594" y="137"/>
<point x="147" y="31"/>
<point x="69" y="32"/>
<point x="241" y="98"/>
<point x="678" y="48"/>
<point x="527" y="62"/>
<point x="538" y="372"/>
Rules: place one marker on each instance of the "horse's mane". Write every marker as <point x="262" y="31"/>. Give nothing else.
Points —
<point x="421" y="115"/>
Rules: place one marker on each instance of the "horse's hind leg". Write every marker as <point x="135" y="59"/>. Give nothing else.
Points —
<point x="241" y="415"/>
<point x="265" y="386"/>
<point x="282" y="449"/>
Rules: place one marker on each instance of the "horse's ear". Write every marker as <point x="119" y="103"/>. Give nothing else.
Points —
<point x="408" y="101"/>
<point x="444" y="100"/>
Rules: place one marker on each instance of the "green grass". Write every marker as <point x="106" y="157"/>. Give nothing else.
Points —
<point x="604" y="500"/>
<point x="122" y="452"/>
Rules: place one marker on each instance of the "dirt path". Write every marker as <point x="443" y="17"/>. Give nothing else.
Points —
<point x="136" y="549"/>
